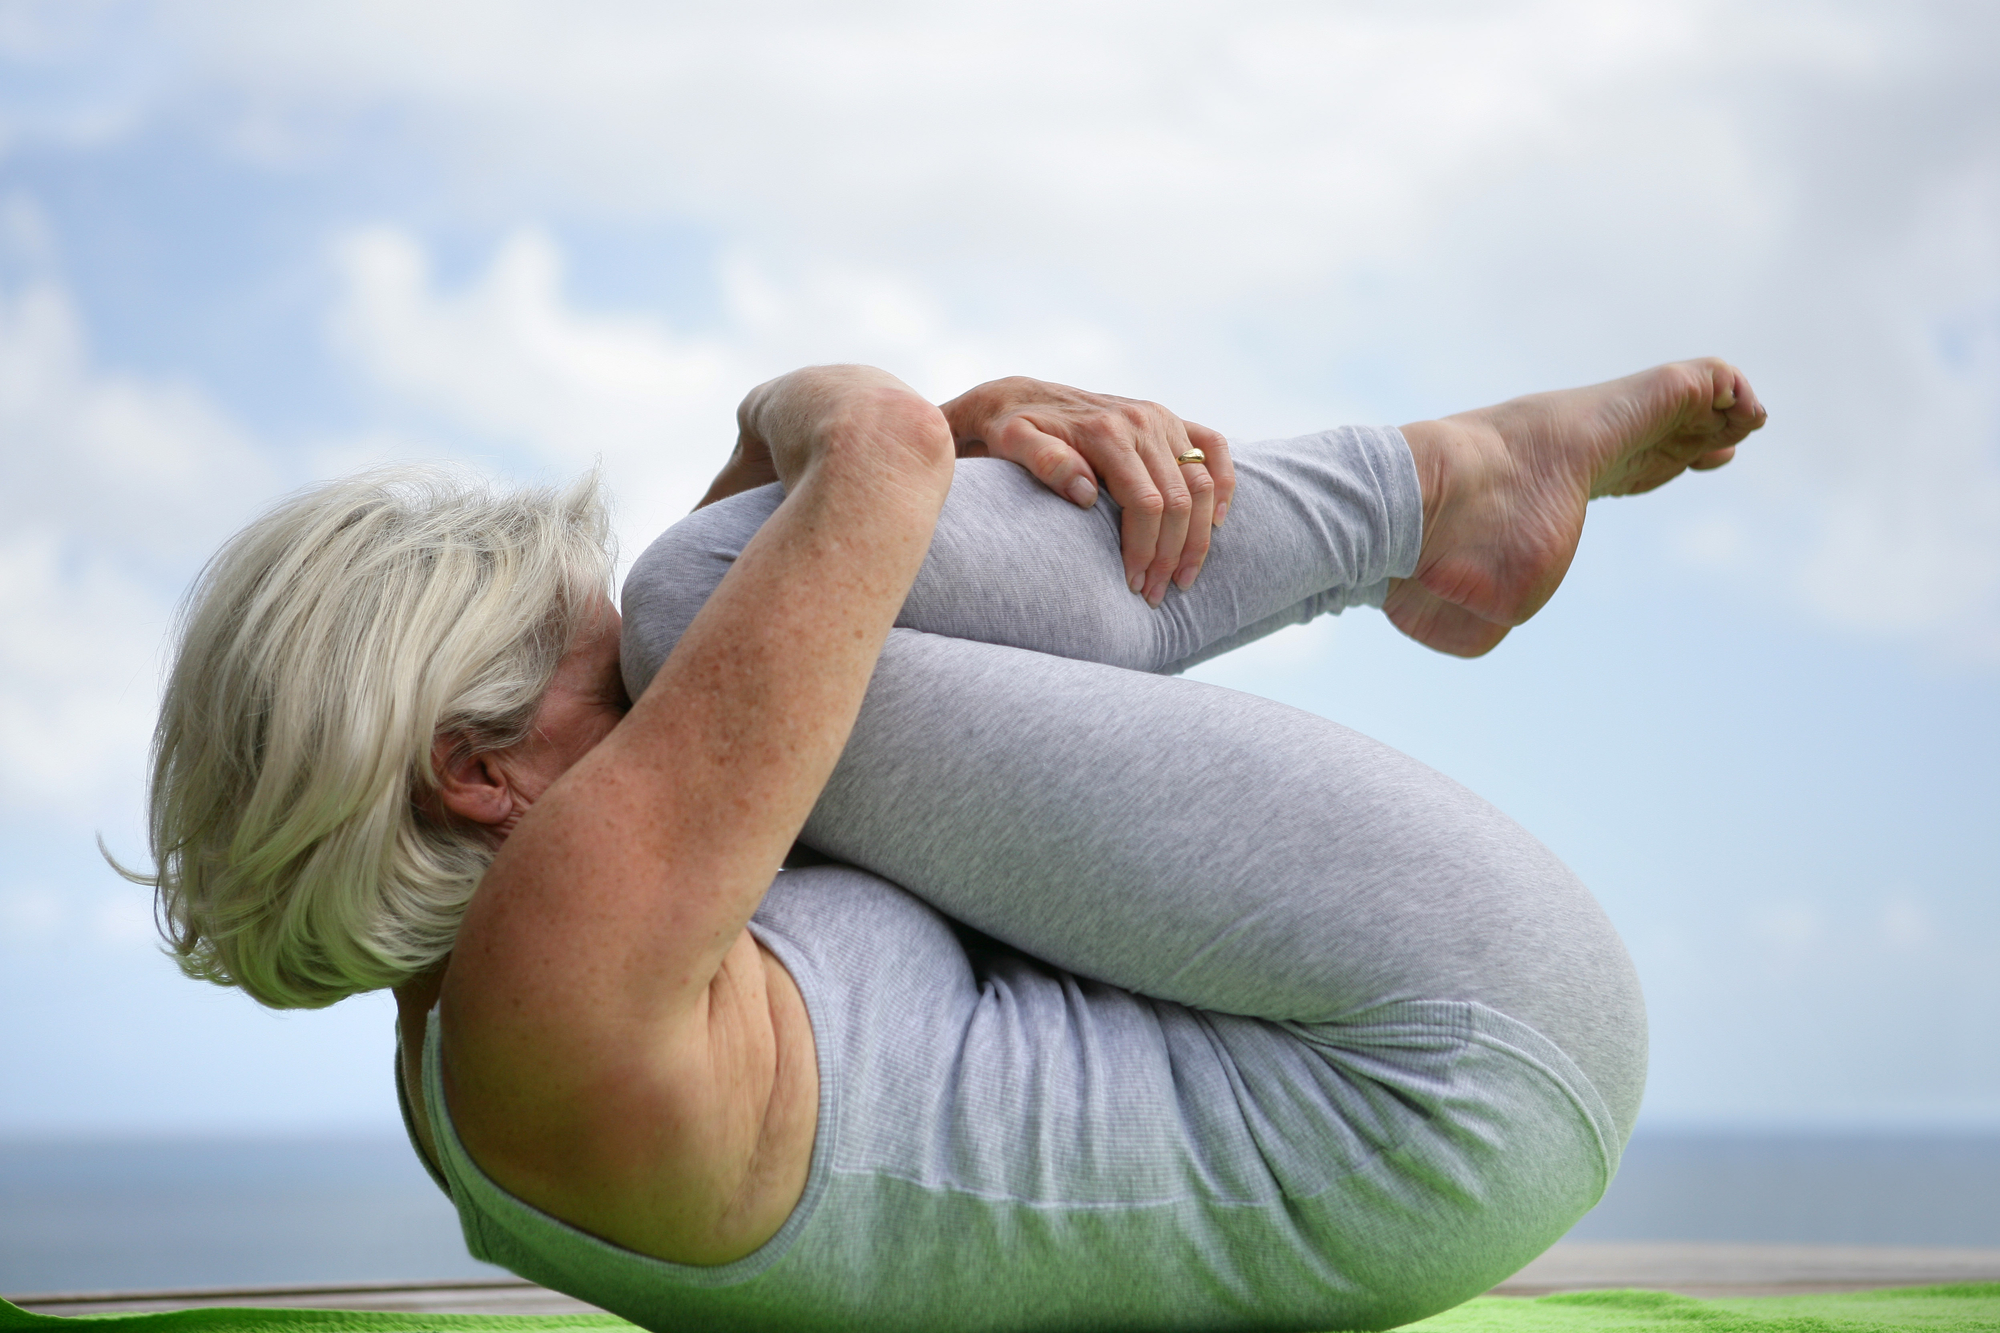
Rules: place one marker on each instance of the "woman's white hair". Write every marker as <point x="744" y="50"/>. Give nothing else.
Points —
<point x="320" y="654"/>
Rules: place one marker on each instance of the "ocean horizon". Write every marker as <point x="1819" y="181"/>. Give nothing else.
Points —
<point x="145" y="1214"/>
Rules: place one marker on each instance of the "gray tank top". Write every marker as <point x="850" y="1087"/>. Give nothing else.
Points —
<point x="1002" y="1145"/>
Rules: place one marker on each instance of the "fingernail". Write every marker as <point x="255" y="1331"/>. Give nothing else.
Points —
<point x="1081" y="491"/>
<point x="1139" y="582"/>
<point x="1221" y="512"/>
<point x="1185" y="578"/>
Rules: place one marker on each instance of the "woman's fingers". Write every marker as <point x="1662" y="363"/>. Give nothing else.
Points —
<point x="1055" y="464"/>
<point x="1210" y="483"/>
<point x="1200" y="481"/>
<point x="1190" y="504"/>
<point x="1220" y="467"/>
<point x="1079" y="443"/>
<point x="1167" y="548"/>
<point x="1178" y="463"/>
<point x="1135" y="485"/>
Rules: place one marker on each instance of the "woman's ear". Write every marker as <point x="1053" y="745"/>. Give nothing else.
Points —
<point x="471" y="784"/>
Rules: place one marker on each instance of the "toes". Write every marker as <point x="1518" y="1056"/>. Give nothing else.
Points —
<point x="1734" y="397"/>
<point x="1749" y="410"/>
<point x="1707" y="381"/>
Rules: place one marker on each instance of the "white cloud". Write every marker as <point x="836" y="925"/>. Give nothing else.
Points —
<point x="1908" y="503"/>
<point x="1275" y="212"/>
<point x="117" y="488"/>
<point x="29" y="916"/>
<point x="146" y="469"/>
<point x="77" y="680"/>
<point x="1268" y="144"/>
<point x="510" y="357"/>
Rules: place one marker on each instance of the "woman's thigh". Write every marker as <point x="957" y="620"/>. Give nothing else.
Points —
<point x="1217" y="849"/>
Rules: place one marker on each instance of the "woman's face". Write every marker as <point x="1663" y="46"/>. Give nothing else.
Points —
<point x="585" y="701"/>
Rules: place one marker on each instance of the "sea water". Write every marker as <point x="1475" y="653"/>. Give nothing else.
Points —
<point x="139" y="1215"/>
<point x="128" y="1215"/>
<point x="1817" y="1189"/>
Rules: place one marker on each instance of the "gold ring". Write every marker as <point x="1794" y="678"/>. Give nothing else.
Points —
<point x="1192" y="456"/>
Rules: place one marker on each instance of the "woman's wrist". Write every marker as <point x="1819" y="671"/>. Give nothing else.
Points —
<point x="804" y="419"/>
<point x="790" y="404"/>
<point x="739" y="474"/>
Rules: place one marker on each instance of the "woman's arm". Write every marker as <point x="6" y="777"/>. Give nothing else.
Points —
<point x="1070" y="440"/>
<point x="606" y="1028"/>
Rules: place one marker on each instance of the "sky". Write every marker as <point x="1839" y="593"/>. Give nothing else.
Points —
<point x="244" y="246"/>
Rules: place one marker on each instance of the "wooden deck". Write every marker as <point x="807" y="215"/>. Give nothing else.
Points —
<point x="1709" y="1269"/>
<point x="1691" y="1269"/>
<point x="500" y="1296"/>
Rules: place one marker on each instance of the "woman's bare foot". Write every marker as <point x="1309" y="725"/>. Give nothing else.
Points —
<point x="1437" y="624"/>
<point x="1505" y="488"/>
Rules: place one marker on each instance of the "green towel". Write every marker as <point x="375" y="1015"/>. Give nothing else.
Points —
<point x="1969" y="1307"/>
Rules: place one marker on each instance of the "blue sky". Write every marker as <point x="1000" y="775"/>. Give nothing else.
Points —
<point x="243" y="246"/>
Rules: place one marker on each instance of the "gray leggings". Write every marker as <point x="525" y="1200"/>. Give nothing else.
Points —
<point x="1014" y="768"/>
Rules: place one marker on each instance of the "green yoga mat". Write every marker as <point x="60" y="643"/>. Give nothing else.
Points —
<point x="1962" y="1308"/>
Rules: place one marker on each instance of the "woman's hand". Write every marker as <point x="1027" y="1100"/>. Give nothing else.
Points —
<point x="1072" y="439"/>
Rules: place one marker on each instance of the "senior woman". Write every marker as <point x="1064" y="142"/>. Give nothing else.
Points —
<point x="1182" y="1010"/>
